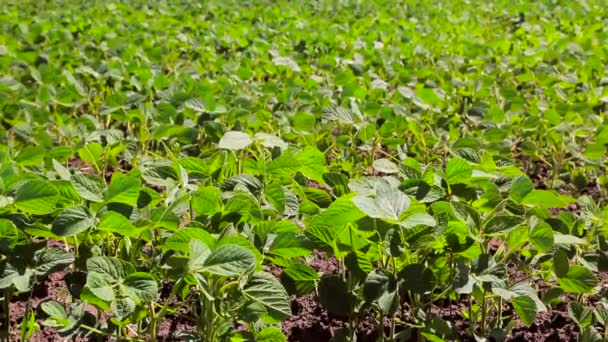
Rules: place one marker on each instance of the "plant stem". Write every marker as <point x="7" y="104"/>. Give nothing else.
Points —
<point x="156" y="317"/>
<point x="95" y="330"/>
<point x="393" y="326"/>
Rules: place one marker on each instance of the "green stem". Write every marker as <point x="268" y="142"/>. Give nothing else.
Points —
<point x="26" y="317"/>
<point x="95" y="330"/>
<point x="393" y="327"/>
<point x="483" y="314"/>
<point x="156" y="317"/>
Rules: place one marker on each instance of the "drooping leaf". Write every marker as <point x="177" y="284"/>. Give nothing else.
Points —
<point x="525" y="308"/>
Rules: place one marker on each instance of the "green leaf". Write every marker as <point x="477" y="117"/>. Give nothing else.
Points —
<point x="206" y="201"/>
<point x="36" y="197"/>
<point x="270" y="335"/>
<point x="541" y="237"/>
<point x="375" y="284"/>
<point x="229" y="260"/>
<point x="124" y="188"/>
<point x="546" y="199"/>
<point x="339" y="213"/>
<point x="180" y="240"/>
<point x="114" y="222"/>
<point x="112" y="268"/>
<point x="141" y="286"/>
<point x="235" y="140"/>
<point x="583" y="316"/>
<point x="72" y="221"/>
<point x="525" y="308"/>
<point x="199" y="252"/>
<point x="91" y="153"/>
<point x="49" y="260"/>
<point x="520" y="187"/>
<point x="31" y="156"/>
<point x="561" y="265"/>
<point x="579" y="279"/>
<point x="265" y="289"/>
<point x="501" y="223"/>
<point x="54" y="309"/>
<point x="312" y="163"/>
<point x="325" y="235"/>
<point x="458" y="171"/>
<point x="276" y="196"/>
<point x="388" y="204"/>
<point x="100" y="286"/>
<point x="122" y="307"/>
<point x="338" y="183"/>
<point x="283" y="166"/>
<point x="417" y="219"/>
<point x="89" y="187"/>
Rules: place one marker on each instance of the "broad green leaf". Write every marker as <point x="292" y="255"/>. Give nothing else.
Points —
<point x="72" y="221"/>
<point x="541" y="237"/>
<point x="229" y="260"/>
<point x="265" y="289"/>
<point x="206" y="201"/>
<point x="100" y="286"/>
<point x="582" y="315"/>
<point x="180" y="240"/>
<point x="124" y="188"/>
<point x="417" y="219"/>
<point x="235" y="140"/>
<point x="312" y="163"/>
<point x="141" y="286"/>
<point x="36" y="197"/>
<point x="122" y="307"/>
<point x="525" y="308"/>
<point x="546" y="199"/>
<point x="91" y="153"/>
<point x="89" y="187"/>
<point x="111" y="268"/>
<point x="389" y="202"/>
<point x="283" y="166"/>
<point x="458" y="171"/>
<point x="199" y="252"/>
<point x="31" y="156"/>
<point x="48" y="260"/>
<point x="579" y="279"/>
<point x="54" y="309"/>
<point x="520" y="187"/>
<point x="339" y="213"/>
<point x="114" y="222"/>
<point x="276" y="196"/>
<point x="501" y="223"/>
<point x="270" y="335"/>
<point x="561" y="265"/>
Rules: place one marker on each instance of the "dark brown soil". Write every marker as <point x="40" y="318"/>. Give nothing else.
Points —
<point x="324" y="263"/>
